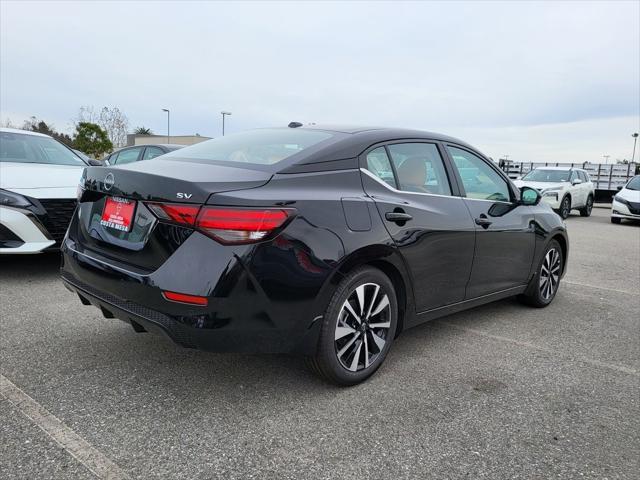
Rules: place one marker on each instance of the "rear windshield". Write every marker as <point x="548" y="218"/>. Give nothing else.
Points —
<point x="255" y="147"/>
<point x="23" y="148"/>
<point x="546" y="175"/>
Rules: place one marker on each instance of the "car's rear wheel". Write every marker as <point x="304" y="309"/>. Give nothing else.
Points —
<point x="616" y="220"/>
<point x="544" y="285"/>
<point x="586" y="210"/>
<point x="358" y="328"/>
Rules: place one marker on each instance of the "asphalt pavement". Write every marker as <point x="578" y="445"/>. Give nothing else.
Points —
<point x="502" y="391"/>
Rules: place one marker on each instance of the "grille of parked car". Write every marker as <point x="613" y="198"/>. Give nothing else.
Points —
<point x="59" y="213"/>
<point x="634" y="207"/>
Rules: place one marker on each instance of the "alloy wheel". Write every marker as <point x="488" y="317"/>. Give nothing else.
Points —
<point x="550" y="274"/>
<point x="589" y="205"/>
<point x="565" y="208"/>
<point x="363" y="327"/>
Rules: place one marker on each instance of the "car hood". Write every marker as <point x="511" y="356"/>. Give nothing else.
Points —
<point x="26" y="176"/>
<point x="629" y="195"/>
<point x="539" y="185"/>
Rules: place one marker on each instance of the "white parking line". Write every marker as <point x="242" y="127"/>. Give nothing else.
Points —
<point x="598" y="287"/>
<point x="77" y="447"/>
<point x="597" y="363"/>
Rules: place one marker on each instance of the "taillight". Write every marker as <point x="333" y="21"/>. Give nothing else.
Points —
<point x="241" y="225"/>
<point x="174" y="212"/>
<point x="228" y="225"/>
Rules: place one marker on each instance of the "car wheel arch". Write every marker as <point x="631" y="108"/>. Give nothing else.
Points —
<point x="386" y="259"/>
<point x="563" y="245"/>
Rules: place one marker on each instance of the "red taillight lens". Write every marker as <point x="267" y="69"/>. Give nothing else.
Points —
<point x="241" y="225"/>
<point x="175" y="212"/>
<point x="184" y="298"/>
<point x="228" y="225"/>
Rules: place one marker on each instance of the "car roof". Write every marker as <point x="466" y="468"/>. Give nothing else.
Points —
<point x="22" y="132"/>
<point x="349" y="142"/>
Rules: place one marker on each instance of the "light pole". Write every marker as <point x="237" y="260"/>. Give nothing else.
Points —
<point x="224" y="114"/>
<point x="635" y="139"/>
<point x="606" y="158"/>
<point x="168" y="116"/>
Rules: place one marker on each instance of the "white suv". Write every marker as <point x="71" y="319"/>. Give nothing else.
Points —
<point x="564" y="189"/>
<point x="38" y="186"/>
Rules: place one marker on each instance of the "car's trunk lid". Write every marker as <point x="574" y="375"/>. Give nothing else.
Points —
<point x="142" y="240"/>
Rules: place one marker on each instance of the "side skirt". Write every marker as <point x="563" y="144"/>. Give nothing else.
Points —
<point x="465" y="305"/>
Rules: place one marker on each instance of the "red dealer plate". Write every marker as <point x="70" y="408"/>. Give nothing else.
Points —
<point x="118" y="213"/>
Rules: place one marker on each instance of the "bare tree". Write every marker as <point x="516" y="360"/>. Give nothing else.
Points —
<point x="111" y="120"/>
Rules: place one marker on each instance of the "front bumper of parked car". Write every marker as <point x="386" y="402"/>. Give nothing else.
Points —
<point x="624" y="210"/>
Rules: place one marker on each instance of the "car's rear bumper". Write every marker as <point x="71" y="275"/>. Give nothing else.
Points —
<point x="239" y="320"/>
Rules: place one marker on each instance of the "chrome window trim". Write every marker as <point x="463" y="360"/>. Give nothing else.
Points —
<point x="395" y="190"/>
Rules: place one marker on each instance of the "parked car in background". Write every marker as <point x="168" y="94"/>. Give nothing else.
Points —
<point x="324" y="242"/>
<point x="139" y="152"/>
<point x="38" y="186"/>
<point x="626" y="203"/>
<point x="564" y="189"/>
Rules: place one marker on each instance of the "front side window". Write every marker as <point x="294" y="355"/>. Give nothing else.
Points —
<point x="128" y="156"/>
<point x="24" y="148"/>
<point x="419" y="168"/>
<point x="480" y="181"/>
<point x="378" y="163"/>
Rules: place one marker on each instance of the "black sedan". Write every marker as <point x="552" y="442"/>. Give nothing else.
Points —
<point x="139" y="152"/>
<point x="324" y="242"/>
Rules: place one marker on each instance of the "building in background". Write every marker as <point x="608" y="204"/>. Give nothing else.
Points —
<point x="133" y="139"/>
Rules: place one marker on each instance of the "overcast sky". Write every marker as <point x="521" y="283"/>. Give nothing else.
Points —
<point x="548" y="81"/>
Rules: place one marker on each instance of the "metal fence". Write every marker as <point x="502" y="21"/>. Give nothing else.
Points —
<point x="605" y="176"/>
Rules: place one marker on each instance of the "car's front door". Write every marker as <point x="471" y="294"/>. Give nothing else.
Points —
<point x="426" y="218"/>
<point x="505" y="230"/>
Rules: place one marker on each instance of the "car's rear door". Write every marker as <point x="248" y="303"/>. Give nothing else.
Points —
<point x="505" y="230"/>
<point x="429" y="223"/>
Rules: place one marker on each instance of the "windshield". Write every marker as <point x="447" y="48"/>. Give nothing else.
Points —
<point x="23" y="148"/>
<point x="546" y="175"/>
<point x="634" y="183"/>
<point x="257" y="147"/>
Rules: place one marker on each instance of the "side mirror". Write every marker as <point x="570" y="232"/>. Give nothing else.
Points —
<point x="577" y="181"/>
<point x="529" y="196"/>
<point x="619" y="187"/>
<point x="95" y="163"/>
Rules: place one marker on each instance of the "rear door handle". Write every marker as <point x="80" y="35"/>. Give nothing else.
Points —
<point x="397" y="216"/>
<point x="484" y="222"/>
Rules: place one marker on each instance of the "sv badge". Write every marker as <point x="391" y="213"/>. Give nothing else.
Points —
<point x="184" y="195"/>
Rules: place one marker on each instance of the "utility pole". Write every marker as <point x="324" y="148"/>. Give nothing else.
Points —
<point x="168" y="124"/>
<point x="606" y="158"/>
<point x="224" y="114"/>
<point x="635" y="139"/>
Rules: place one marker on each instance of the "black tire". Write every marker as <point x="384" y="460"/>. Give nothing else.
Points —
<point x="536" y="294"/>
<point x="616" y="220"/>
<point x="565" y="207"/>
<point x="338" y="369"/>
<point x="586" y="210"/>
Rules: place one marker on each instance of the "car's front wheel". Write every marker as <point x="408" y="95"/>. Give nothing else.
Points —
<point x="586" y="210"/>
<point x="616" y="220"/>
<point x="358" y="328"/>
<point x="565" y="207"/>
<point x="544" y="285"/>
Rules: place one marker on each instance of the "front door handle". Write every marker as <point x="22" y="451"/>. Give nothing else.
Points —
<point x="483" y="221"/>
<point x="397" y="217"/>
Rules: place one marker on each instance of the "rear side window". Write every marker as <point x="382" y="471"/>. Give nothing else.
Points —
<point x="127" y="156"/>
<point x="257" y="147"/>
<point x="378" y="163"/>
<point x="419" y="168"/>
<point x="152" y="152"/>
<point x="583" y="176"/>
<point x="480" y="181"/>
